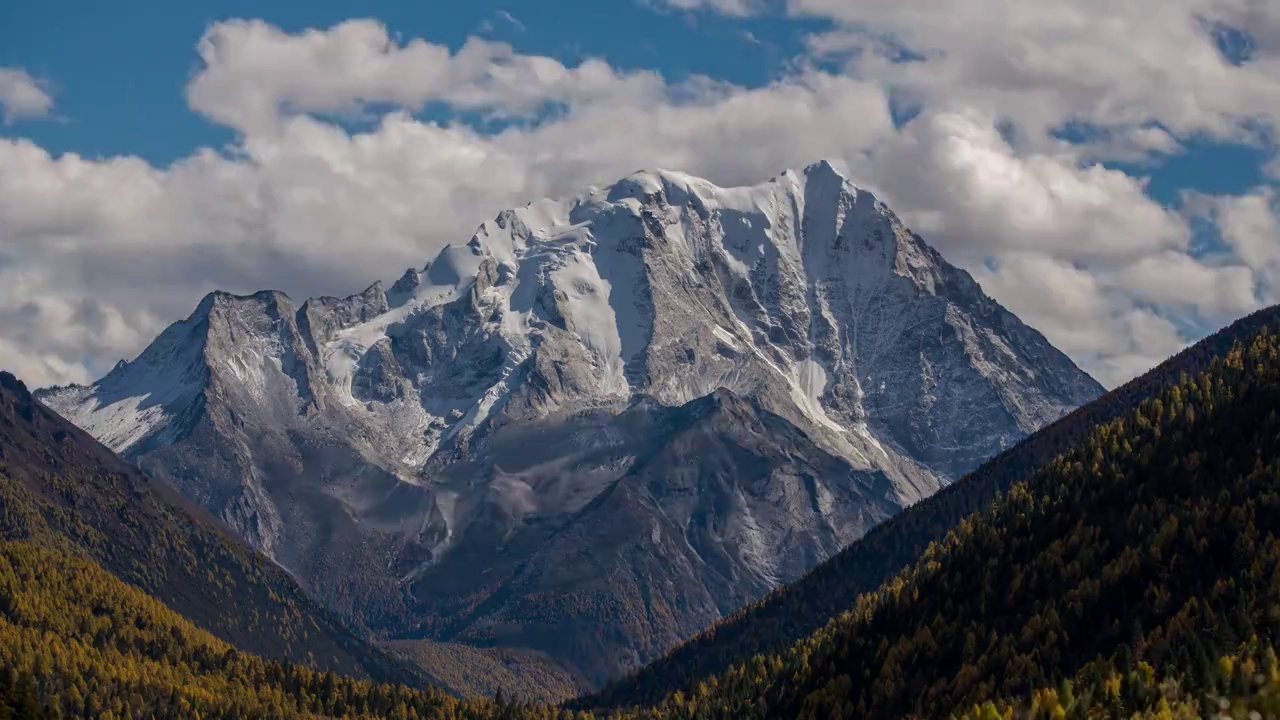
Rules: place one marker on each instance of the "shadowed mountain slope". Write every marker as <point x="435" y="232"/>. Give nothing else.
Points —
<point x="796" y="611"/>
<point x="60" y="488"/>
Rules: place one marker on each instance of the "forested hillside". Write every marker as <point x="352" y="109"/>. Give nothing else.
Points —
<point x="1150" y="549"/>
<point x="795" y="611"/>
<point x="486" y="671"/>
<point x="60" y="489"/>
<point x="75" y="641"/>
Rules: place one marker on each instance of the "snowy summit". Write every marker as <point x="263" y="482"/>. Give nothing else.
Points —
<point x="521" y="375"/>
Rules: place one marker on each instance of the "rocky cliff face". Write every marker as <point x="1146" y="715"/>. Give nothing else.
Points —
<point x="637" y="408"/>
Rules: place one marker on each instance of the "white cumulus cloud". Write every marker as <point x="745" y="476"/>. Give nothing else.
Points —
<point x="97" y="254"/>
<point x="1041" y="63"/>
<point x="734" y="8"/>
<point x="22" y="96"/>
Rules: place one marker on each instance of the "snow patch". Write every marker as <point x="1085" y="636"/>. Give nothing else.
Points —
<point x="590" y="316"/>
<point x="808" y="383"/>
<point x="725" y="336"/>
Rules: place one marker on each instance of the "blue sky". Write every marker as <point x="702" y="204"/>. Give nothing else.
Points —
<point x="114" y="65"/>
<point x="119" y="69"/>
<point x="1172" y="235"/>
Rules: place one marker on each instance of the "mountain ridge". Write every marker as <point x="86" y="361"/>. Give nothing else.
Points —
<point x="393" y="428"/>
<point x="911" y="258"/>
<point x="60" y="488"/>
<point x="785" y="616"/>
<point x="1144" y="549"/>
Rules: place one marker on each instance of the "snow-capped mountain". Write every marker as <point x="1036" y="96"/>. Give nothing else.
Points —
<point x="527" y="407"/>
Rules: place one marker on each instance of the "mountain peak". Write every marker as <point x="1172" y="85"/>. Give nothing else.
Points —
<point x="824" y="169"/>
<point x="722" y="399"/>
<point x="645" y="183"/>
<point x="792" y="255"/>
<point x="10" y="383"/>
<point x="799" y="302"/>
<point x="223" y="299"/>
<point x="411" y="279"/>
